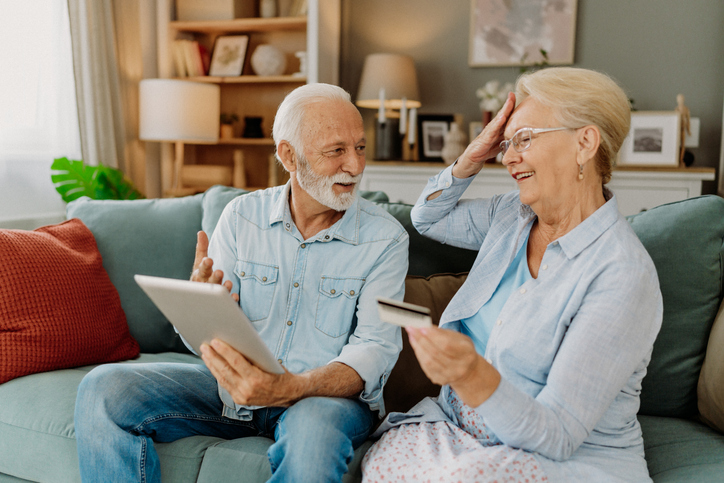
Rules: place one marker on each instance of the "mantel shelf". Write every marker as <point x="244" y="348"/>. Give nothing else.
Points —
<point x="241" y="25"/>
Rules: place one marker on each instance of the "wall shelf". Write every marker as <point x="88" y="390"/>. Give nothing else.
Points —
<point x="249" y="79"/>
<point x="240" y="25"/>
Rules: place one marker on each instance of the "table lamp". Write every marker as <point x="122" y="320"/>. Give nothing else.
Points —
<point x="389" y="83"/>
<point x="178" y="111"/>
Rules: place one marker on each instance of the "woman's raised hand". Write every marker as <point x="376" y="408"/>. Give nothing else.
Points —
<point x="487" y="145"/>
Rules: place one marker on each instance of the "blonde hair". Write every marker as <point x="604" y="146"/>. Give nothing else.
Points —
<point x="582" y="97"/>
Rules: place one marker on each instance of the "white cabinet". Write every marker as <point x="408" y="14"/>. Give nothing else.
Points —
<point x="636" y="190"/>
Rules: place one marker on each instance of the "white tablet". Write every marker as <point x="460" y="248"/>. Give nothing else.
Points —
<point x="402" y="313"/>
<point x="204" y="311"/>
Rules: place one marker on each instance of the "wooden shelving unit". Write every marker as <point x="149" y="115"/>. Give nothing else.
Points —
<point x="250" y="95"/>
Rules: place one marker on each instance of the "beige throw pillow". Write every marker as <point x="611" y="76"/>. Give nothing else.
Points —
<point x="407" y="384"/>
<point x="710" y="390"/>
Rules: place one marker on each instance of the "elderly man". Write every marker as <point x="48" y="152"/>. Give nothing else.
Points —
<point x="305" y="261"/>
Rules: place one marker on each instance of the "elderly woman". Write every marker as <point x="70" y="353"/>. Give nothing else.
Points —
<point x="542" y="351"/>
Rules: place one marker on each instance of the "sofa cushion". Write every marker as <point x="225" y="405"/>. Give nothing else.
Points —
<point x="37" y="436"/>
<point x="682" y="450"/>
<point x="58" y="308"/>
<point x="150" y="237"/>
<point x="684" y="240"/>
<point x="407" y="384"/>
<point x="427" y="256"/>
<point x="710" y="390"/>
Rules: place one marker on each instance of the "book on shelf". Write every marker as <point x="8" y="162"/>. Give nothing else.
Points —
<point x="191" y="59"/>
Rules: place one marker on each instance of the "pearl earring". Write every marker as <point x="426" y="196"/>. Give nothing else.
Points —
<point x="580" y="171"/>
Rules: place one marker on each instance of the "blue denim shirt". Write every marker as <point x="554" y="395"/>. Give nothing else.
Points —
<point x="572" y="345"/>
<point x="313" y="301"/>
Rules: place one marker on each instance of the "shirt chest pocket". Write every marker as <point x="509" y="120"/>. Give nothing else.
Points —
<point x="257" y="283"/>
<point x="336" y="304"/>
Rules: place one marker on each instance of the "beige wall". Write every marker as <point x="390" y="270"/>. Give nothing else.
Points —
<point x="654" y="48"/>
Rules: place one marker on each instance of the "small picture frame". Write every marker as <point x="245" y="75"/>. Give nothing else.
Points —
<point x="432" y="129"/>
<point x="476" y="127"/>
<point x="229" y="55"/>
<point x="652" y="141"/>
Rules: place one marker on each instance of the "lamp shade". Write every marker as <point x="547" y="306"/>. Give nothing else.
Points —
<point x="393" y="72"/>
<point x="176" y="110"/>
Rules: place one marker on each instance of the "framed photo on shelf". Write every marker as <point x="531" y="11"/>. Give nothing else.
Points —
<point x="652" y="141"/>
<point x="504" y="33"/>
<point x="229" y="55"/>
<point x="431" y="129"/>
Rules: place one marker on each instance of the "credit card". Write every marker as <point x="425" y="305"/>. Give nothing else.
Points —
<point x="403" y="313"/>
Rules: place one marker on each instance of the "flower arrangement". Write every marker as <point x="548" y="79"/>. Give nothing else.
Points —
<point x="492" y="96"/>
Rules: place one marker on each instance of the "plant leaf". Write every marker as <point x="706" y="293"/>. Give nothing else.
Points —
<point x="73" y="179"/>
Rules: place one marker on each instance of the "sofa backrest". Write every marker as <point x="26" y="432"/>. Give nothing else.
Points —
<point x="150" y="237"/>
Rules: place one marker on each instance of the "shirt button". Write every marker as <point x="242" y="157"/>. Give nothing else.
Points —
<point x="544" y="267"/>
<point x="289" y="322"/>
<point x="242" y="274"/>
<point x="351" y="292"/>
<point x="498" y="322"/>
<point x="279" y="361"/>
<point x="326" y="237"/>
<point x="447" y="184"/>
<point x="522" y="291"/>
<point x="304" y="245"/>
<point x="555" y="243"/>
<point x="263" y="279"/>
<point x="296" y="285"/>
<point x="288" y="225"/>
<point x="333" y="291"/>
<point x="489" y="360"/>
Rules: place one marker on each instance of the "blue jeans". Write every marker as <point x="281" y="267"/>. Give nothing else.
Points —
<point x="122" y="409"/>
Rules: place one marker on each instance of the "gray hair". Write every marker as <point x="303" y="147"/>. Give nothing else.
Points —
<point x="289" y="119"/>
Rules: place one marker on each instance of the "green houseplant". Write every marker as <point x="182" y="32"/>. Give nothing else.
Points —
<point x="73" y="179"/>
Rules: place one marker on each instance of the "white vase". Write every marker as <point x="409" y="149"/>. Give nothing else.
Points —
<point x="455" y="144"/>
<point x="268" y="60"/>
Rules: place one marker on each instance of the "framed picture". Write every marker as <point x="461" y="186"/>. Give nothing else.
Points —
<point x="229" y="55"/>
<point x="652" y="141"/>
<point x="432" y="129"/>
<point x="521" y="33"/>
<point x="476" y="127"/>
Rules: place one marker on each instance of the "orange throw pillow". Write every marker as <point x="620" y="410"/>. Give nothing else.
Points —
<point x="58" y="308"/>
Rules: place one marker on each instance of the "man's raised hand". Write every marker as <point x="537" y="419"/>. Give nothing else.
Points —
<point x="203" y="269"/>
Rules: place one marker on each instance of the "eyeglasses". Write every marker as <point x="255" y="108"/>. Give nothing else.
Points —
<point x="523" y="138"/>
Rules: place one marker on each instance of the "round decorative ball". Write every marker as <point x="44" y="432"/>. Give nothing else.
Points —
<point x="268" y="60"/>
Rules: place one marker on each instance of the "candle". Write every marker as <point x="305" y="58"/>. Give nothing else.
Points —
<point x="413" y="126"/>
<point x="403" y="116"/>
<point x="381" y="115"/>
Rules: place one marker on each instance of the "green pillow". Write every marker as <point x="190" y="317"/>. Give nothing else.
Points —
<point x="684" y="240"/>
<point x="150" y="237"/>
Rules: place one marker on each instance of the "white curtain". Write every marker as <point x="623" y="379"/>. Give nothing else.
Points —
<point x="38" y="117"/>
<point x="100" y="115"/>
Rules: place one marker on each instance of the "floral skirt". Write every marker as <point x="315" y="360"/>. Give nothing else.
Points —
<point x="441" y="451"/>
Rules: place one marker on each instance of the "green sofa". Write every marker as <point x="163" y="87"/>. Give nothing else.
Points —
<point x="157" y="237"/>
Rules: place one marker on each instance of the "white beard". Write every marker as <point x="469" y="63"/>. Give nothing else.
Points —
<point x="321" y="187"/>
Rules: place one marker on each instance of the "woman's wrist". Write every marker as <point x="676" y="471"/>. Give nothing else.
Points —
<point x="478" y="384"/>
